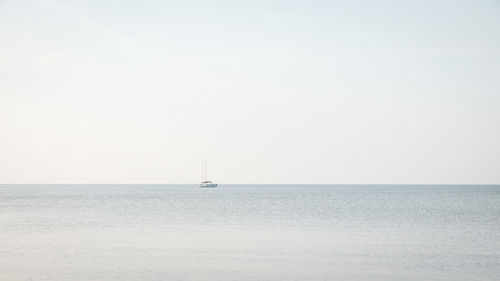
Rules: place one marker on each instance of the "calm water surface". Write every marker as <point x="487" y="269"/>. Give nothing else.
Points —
<point x="249" y="232"/>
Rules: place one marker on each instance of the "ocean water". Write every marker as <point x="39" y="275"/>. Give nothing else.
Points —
<point x="249" y="232"/>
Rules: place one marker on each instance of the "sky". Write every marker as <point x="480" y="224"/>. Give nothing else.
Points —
<point x="332" y="92"/>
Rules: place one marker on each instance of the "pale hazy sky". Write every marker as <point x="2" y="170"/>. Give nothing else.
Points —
<point x="267" y="91"/>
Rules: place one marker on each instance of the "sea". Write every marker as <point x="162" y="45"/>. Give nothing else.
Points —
<point x="249" y="232"/>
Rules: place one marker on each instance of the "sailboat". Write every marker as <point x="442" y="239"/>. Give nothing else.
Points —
<point x="204" y="182"/>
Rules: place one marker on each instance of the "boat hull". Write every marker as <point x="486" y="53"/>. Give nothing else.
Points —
<point x="210" y="185"/>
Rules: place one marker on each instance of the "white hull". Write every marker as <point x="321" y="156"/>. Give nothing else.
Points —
<point x="207" y="185"/>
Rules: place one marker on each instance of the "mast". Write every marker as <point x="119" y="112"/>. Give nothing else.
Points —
<point x="202" y="170"/>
